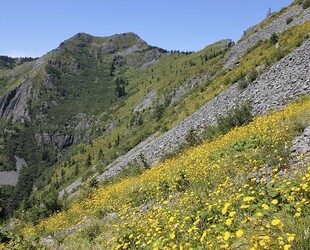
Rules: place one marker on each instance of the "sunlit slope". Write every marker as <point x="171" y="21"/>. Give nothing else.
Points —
<point x="238" y="191"/>
<point x="165" y="78"/>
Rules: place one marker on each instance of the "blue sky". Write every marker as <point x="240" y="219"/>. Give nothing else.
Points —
<point x="34" y="27"/>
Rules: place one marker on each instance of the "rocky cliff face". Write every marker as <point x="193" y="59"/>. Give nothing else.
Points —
<point x="11" y="177"/>
<point x="14" y="105"/>
<point x="286" y="80"/>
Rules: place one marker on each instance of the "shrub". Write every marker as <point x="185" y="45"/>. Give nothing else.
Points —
<point x="274" y="38"/>
<point x="192" y="138"/>
<point x="279" y="54"/>
<point x="289" y="20"/>
<point x="252" y="75"/>
<point x="306" y="4"/>
<point x="237" y="116"/>
<point x="91" y="232"/>
<point x="243" y="83"/>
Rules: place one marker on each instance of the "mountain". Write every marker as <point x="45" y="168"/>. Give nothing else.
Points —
<point x="58" y="96"/>
<point x="111" y="130"/>
<point x="77" y="95"/>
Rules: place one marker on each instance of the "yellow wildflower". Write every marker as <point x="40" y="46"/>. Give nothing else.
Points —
<point x="226" y="235"/>
<point x="228" y="222"/>
<point x="232" y="214"/>
<point x="248" y="199"/>
<point x="290" y="237"/>
<point x="276" y="222"/>
<point x="239" y="233"/>
<point x="172" y="236"/>
<point x="297" y="215"/>
<point x="226" y="206"/>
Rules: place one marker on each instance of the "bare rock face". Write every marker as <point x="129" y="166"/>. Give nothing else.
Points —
<point x="70" y="189"/>
<point x="150" y="58"/>
<point x="15" y="104"/>
<point x="20" y="163"/>
<point x="146" y="102"/>
<point x="59" y="140"/>
<point x="11" y="177"/>
<point x="186" y="87"/>
<point x="110" y="48"/>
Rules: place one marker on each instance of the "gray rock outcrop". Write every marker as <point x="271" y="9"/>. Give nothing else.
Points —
<point x="59" y="140"/>
<point x="187" y="87"/>
<point x="301" y="144"/>
<point x="70" y="189"/>
<point x="11" y="177"/>
<point x="15" y="104"/>
<point x="146" y="102"/>
<point x="284" y="81"/>
<point x="151" y="57"/>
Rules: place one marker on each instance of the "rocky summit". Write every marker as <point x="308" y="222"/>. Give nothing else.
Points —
<point x="112" y="143"/>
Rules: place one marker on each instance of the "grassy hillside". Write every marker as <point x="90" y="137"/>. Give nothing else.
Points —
<point x="239" y="191"/>
<point x="107" y="95"/>
<point x="128" y="130"/>
<point x="164" y="78"/>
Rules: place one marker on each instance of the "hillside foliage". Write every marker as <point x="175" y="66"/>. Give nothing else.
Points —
<point x="240" y="189"/>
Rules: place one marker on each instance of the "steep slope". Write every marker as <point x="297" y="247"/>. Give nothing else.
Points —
<point x="97" y="108"/>
<point x="284" y="81"/>
<point x="244" y="189"/>
<point x="274" y="24"/>
<point x="265" y="93"/>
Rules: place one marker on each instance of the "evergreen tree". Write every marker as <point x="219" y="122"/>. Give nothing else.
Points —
<point x="274" y="38"/>
<point x="88" y="161"/>
<point x="100" y="154"/>
<point x="269" y="12"/>
<point x="120" y="87"/>
<point x="112" y="68"/>
<point x="76" y="170"/>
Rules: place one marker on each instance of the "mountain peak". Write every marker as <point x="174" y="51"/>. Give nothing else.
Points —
<point x="128" y="39"/>
<point x="121" y="41"/>
<point x="81" y="35"/>
<point x="131" y="34"/>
